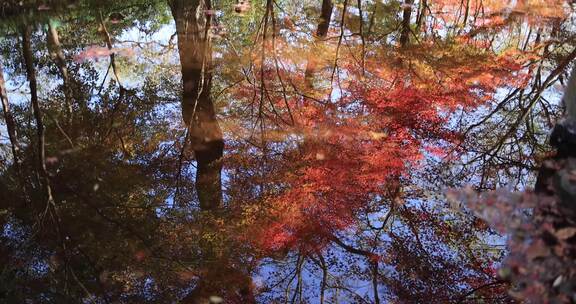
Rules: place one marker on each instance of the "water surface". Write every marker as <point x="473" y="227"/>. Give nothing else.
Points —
<point x="267" y="151"/>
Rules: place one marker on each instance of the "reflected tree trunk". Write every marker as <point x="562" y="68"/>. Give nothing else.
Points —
<point x="109" y="44"/>
<point x="220" y="277"/>
<point x="466" y="13"/>
<point x="406" y="15"/>
<point x="321" y="34"/>
<point x="204" y="134"/>
<point x="325" y="16"/>
<point x="43" y="177"/>
<point x="57" y="56"/>
<point x="33" y="85"/>
<point x="421" y="15"/>
<point x="10" y="123"/>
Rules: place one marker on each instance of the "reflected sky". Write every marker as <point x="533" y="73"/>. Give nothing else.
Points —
<point x="268" y="151"/>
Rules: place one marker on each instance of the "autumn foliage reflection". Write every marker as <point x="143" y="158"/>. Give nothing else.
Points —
<point x="269" y="151"/>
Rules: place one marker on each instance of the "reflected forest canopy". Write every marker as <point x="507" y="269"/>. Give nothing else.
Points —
<point x="275" y="151"/>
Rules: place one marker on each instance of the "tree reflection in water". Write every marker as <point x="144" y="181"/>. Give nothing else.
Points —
<point x="284" y="152"/>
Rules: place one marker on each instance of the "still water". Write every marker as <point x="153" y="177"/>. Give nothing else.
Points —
<point x="262" y="151"/>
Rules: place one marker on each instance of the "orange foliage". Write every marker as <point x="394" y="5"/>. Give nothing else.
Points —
<point x="356" y="148"/>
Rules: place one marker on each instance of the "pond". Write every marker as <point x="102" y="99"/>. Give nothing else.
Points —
<point x="274" y="151"/>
